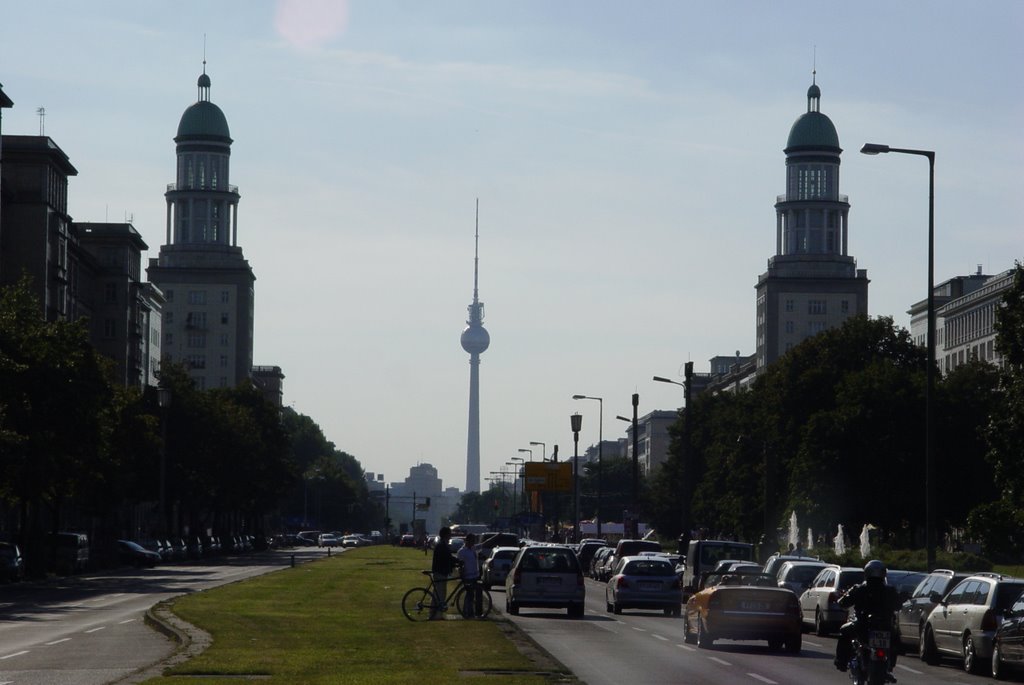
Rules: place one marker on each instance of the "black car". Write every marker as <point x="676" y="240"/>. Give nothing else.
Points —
<point x="914" y="612"/>
<point x="134" y="554"/>
<point x="12" y="565"/>
<point x="1008" y="644"/>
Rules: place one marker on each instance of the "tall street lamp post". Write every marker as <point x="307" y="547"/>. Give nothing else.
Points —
<point x="543" y="450"/>
<point x="600" y="453"/>
<point x="635" y="506"/>
<point x="576" y="423"/>
<point x="164" y="400"/>
<point x="517" y="462"/>
<point x="686" y="493"/>
<point x="929" y="510"/>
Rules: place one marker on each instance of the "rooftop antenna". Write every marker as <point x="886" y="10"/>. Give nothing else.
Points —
<point x="476" y="251"/>
<point x="204" y="53"/>
<point x="41" y="111"/>
<point x="814" y="65"/>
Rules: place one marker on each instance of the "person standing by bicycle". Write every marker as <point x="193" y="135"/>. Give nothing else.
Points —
<point x="470" y="578"/>
<point x="441" y="567"/>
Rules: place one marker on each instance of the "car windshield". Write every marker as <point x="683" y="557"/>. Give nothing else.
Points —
<point x="550" y="560"/>
<point x="1007" y="594"/>
<point x="648" y="567"/>
<point x="739" y="578"/>
<point x="850" y="578"/>
<point x="803" y="574"/>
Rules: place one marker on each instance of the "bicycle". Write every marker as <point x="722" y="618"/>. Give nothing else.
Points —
<point x="420" y="603"/>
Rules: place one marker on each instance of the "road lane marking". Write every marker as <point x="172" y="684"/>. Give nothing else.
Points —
<point x="57" y="642"/>
<point x="608" y="628"/>
<point x="813" y="644"/>
<point x="721" y="661"/>
<point x="659" y="637"/>
<point x="688" y="648"/>
<point x="128" y="620"/>
<point x="762" y="679"/>
<point x="93" y="630"/>
<point x="11" y="656"/>
<point x="908" y="668"/>
<point x="640" y="630"/>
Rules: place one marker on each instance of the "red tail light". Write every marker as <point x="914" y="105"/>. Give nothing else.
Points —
<point x="880" y="655"/>
<point x="622" y="582"/>
<point x="988" y="620"/>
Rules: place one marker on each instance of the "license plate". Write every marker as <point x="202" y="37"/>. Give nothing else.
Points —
<point x="649" y="585"/>
<point x="750" y="605"/>
<point x="549" y="580"/>
<point x="878" y="639"/>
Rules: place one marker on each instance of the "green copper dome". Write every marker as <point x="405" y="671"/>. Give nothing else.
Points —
<point x="813" y="129"/>
<point x="204" y="119"/>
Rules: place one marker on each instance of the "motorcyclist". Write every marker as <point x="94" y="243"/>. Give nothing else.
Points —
<point x="872" y="597"/>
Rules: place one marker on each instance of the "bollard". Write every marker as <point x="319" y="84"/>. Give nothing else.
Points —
<point x="328" y="551"/>
<point x="293" y="561"/>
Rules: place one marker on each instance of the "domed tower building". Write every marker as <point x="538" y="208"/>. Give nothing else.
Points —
<point x="208" y="284"/>
<point x="812" y="283"/>
<point x="475" y="340"/>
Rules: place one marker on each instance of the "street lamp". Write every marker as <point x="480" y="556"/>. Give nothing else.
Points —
<point x="576" y="423"/>
<point x="543" y="450"/>
<point x="163" y="398"/>
<point x="635" y="508"/>
<point x="600" y="452"/>
<point x="518" y="462"/>
<point x="929" y="512"/>
<point x="523" y="449"/>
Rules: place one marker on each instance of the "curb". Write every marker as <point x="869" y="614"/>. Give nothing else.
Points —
<point x="191" y="642"/>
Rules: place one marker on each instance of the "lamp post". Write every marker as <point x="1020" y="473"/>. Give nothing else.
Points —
<point x="163" y="396"/>
<point x="518" y="463"/>
<point x="686" y="493"/>
<point x="576" y="422"/>
<point x="929" y="511"/>
<point x="635" y="506"/>
<point x="523" y="449"/>
<point x="543" y="450"/>
<point x="600" y="452"/>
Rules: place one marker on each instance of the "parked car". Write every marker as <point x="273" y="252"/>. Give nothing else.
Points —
<point x="1008" y="643"/>
<point x="546" y="576"/>
<point x="964" y="623"/>
<point x="71" y="553"/>
<point x="407" y="540"/>
<point x="133" y="554"/>
<point x="597" y="560"/>
<point x="742" y="606"/>
<point x="818" y="603"/>
<point x="775" y="562"/>
<point x="914" y="611"/>
<point x="643" y="582"/>
<point x="496" y="566"/>
<point x="354" y="541"/>
<point x="12" y="564"/>
<point x="797" y="576"/>
<point x="307" y="538"/>
<point x="327" y="540"/>
<point x="727" y="565"/>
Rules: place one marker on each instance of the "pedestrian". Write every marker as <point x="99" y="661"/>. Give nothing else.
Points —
<point x="470" y="578"/>
<point x="441" y="567"/>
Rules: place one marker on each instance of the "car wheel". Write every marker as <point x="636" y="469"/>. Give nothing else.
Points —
<point x="820" y="629"/>
<point x="997" y="662"/>
<point x="704" y="637"/>
<point x="511" y="607"/>
<point x="667" y="611"/>
<point x="794" y="643"/>
<point x="575" y="611"/>
<point x="926" y="647"/>
<point x="616" y="608"/>
<point x="608" y="607"/>
<point x="971" y="664"/>
<point x="775" y="644"/>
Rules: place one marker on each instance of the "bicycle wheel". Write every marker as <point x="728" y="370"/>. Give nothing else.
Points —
<point x="418" y="604"/>
<point x="485" y="602"/>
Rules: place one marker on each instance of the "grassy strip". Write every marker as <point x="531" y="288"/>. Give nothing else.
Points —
<point x="340" y="620"/>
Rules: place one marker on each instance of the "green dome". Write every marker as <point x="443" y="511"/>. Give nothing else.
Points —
<point x="813" y="129"/>
<point x="204" y="119"/>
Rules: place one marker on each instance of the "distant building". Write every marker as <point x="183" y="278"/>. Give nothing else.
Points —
<point x="408" y="500"/>
<point x="652" y="439"/>
<point x="965" y="311"/>
<point x="270" y="381"/>
<point x="812" y="283"/>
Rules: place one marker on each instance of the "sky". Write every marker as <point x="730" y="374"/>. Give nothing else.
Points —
<point x="626" y="158"/>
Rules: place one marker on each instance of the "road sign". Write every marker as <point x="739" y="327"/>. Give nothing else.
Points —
<point x="548" y="476"/>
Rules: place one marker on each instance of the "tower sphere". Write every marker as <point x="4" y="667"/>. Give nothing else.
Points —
<point x="475" y="339"/>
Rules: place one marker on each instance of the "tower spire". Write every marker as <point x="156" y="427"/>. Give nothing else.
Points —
<point x="475" y="340"/>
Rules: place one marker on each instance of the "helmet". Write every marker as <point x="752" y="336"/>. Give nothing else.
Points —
<point x="874" y="569"/>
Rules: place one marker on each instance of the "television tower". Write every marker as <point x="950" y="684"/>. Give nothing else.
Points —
<point x="475" y="340"/>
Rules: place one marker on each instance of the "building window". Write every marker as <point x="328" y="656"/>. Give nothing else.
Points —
<point x="169" y="339"/>
<point x="815" y="327"/>
<point x="224" y="340"/>
<point x="790" y="327"/>
<point x="110" y="292"/>
<point x="197" y="297"/>
<point x="109" y="328"/>
<point x="816" y="307"/>
<point x="168" y="318"/>
<point x="223" y="361"/>
<point x="225" y="296"/>
<point x="169" y="294"/>
<point x="197" y="340"/>
<point x="223" y="381"/>
<point x="224" y="317"/>
<point x="196" y="361"/>
<point x="196" y="320"/>
<point x="789" y="305"/>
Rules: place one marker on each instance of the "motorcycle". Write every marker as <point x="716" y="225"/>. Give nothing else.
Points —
<point x="872" y="647"/>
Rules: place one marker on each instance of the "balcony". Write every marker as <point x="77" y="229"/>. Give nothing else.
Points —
<point x="173" y="187"/>
<point x="838" y="198"/>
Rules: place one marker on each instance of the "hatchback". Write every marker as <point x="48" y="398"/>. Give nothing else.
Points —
<point x="12" y="564"/>
<point x="964" y="623"/>
<point x="497" y="565"/>
<point x="643" y="582"/>
<point x="797" y="576"/>
<point x="545" y="576"/>
<point x="819" y="602"/>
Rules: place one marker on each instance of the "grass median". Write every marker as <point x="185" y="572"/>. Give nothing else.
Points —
<point x="339" y="620"/>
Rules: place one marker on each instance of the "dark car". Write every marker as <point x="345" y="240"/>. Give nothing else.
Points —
<point x="133" y="554"/>
<point x="914" y="611"/>
<point x="1008" y="644"/>
<point x="12" y="565"/>
<point x="587" y="548"/>
<point x="546" y="576"/>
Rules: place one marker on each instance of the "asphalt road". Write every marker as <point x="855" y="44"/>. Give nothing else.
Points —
<point x="89" y="630"/>
<point x="647" y="648"/>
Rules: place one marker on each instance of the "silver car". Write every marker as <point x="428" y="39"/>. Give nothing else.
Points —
<point x="497" y="565"/>
<point x="546" y="576"/>
<point x="819" y="602"/>
<point x="644" y="582"/>
<point x="965" y="621"/>
<point x="797" y="576"/>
